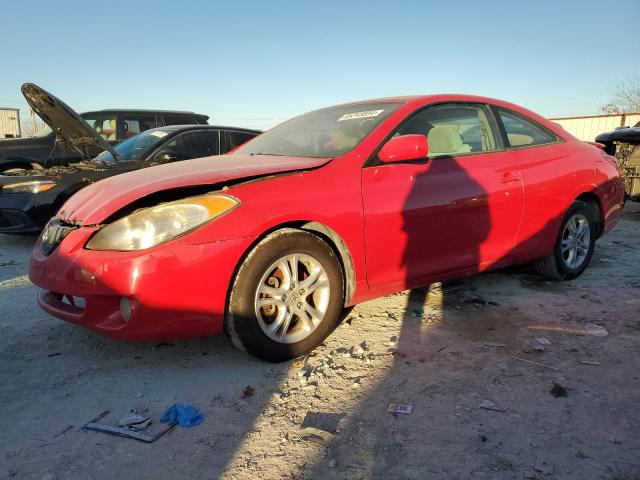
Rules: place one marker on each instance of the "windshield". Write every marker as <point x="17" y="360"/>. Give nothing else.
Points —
<point x="136" y="147"/>
<point x="329" y="132"/>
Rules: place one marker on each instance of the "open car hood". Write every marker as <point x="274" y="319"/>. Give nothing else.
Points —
<point x="98" y="201"/>
<point x="64" y="121"/>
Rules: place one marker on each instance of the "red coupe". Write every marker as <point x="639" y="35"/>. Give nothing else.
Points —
<point x="331" y="208"/>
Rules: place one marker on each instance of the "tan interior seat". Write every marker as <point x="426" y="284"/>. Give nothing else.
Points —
<point x="517" y="139"/>
<point x="445" y="140"/>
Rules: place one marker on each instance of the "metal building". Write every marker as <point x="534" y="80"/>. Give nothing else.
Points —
<point x="9" y="123"/>
<point x="588" y="127"/>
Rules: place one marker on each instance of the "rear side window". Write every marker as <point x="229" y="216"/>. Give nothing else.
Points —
<point x="179" y="120"/>
<point x="522" y="132"/>
<point x="194" y="144"/>
<point x="235" y="139"/>
<point x="104" y="124"/>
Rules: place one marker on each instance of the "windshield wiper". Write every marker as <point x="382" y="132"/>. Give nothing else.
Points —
<point x="270" y="154"/>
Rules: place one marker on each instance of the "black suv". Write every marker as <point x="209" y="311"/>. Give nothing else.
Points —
<point x="47" y="149"/>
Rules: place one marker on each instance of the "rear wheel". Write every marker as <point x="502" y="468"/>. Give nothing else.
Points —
<point x="287" y="296"/>
<point x="574" y="246"/>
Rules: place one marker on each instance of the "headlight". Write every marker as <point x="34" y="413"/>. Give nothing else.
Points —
<point x="154" y="225"/>
<point x="33" y="186"/>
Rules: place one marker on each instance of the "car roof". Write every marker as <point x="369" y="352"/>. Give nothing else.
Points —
<point x="184" y="128"/>
<point x="458" y="97"/>
<point x="141" y="110"/>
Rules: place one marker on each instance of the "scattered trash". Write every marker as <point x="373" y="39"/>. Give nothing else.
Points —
<point x="69" y="427"/>
<point x="495" y="344"/>
<point x="297" y="363"/>
<point x="474" y="298"/>
<point x="543" y="341"/>
<point x="595" y="330"/>
<point x="393" y="340"/>
<point x="248" y="391"/>
<point x="124" y="431"/>
<point x="588" y="362"/>
<point x="558" y="390"/>
<point x="322" y="420"/>
<point x="400" y="408"/>
<point x="534" y="363"/>
<point x="489" y="405"/>
<point x="183" y="415"/>
<point x="538" y="348"/>
<point x="135" y="421"/>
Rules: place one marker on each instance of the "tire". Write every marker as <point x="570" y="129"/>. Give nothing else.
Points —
<point x="569" y="259"/>
<point x="269" y="314"/>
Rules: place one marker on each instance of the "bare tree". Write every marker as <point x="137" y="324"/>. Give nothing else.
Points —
<point x="625" y="98"/>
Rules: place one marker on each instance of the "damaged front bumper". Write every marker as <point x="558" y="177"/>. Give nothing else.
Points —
<point x="174" y="290"/>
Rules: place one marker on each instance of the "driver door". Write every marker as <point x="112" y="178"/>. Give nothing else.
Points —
<point x="458" y="209"/>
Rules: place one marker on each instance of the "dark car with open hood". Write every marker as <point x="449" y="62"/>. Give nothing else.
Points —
<point x="50" y="145"/>
<point x="29" y="197"/>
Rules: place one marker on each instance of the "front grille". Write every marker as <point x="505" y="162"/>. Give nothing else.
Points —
<point x="53" y="234"/>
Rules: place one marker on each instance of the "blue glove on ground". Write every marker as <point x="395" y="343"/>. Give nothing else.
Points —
<point x="183" y="415"/>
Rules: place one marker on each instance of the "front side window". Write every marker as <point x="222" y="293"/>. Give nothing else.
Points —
<point x="104" y="124"/>
<point x="452" y="129"/>
<point x="194" y="145"/>
<point x="325" y="133"/>
<point x="522" y="132"/>
<point x="135" y="148"/>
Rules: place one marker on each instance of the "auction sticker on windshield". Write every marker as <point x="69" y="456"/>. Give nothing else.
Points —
<point x="159" y="134"/>
<point x="357" y="115"/>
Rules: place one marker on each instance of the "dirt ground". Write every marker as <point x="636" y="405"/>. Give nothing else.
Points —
<point x="476" y="359"/>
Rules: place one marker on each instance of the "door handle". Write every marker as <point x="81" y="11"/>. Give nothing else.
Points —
<point x="509" y="177"/>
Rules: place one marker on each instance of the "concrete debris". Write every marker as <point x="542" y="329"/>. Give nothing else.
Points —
<point x="544" y="468"/>
<point x="327" y="421"/>
<point x="248" y="391"/>
<point x="558" y="390"/>
<point x="316" y="435"/>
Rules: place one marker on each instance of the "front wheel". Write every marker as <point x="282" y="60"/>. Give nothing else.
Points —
<point x="574" y="246"/>
<point x="287" y="296"/>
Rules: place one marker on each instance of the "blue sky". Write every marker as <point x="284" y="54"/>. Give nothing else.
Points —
<point x="252" y="63"/>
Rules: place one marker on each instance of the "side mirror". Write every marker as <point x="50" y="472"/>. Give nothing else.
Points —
<point x="165" y="156"/>
<point x="404" y="147"/>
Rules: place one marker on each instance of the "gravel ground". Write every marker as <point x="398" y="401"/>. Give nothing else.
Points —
<point x="479" y="360"/>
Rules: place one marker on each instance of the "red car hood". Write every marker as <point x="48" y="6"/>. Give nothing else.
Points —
<point x="96" y="202"/>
